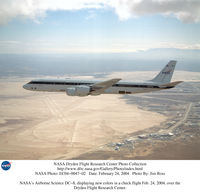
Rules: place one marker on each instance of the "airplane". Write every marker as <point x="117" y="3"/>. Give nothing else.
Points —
<point x="111" y="86"/>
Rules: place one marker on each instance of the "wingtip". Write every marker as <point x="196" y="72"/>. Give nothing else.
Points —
<point x="117" y="79"/>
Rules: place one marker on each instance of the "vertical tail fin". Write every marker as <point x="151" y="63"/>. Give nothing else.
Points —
<point x="165" y="75"/>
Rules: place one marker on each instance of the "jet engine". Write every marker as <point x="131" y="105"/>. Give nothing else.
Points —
<point x="78" y="91"/>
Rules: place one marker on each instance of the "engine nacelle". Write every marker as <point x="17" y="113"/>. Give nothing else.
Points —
<point x="78" y="91"/>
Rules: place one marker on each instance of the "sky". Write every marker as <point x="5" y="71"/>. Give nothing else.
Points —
<point x="99" y="26"/>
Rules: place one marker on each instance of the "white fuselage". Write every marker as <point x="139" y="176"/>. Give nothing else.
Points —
<point x="111" y="86"/>
<point x="59" y="85"/>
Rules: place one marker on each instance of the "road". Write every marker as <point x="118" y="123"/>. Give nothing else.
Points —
<point x="183" y="119"/>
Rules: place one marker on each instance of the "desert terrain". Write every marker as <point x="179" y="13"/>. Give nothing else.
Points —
<point x="38" y="125"/>
<point x="42" y="125"/>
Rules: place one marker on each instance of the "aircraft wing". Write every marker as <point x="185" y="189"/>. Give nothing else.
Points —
<point x="100" y="87"/>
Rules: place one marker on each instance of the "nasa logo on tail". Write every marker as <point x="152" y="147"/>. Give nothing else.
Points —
<point x="5" y="165"/>
<point x="167" y="72"/>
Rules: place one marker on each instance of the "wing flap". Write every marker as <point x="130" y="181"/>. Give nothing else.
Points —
<point x="102" y="86"/>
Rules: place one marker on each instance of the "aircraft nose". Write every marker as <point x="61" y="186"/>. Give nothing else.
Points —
<point x="25" y="86"/>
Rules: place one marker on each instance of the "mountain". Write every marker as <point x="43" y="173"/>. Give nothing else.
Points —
<point x="60" y="64"/>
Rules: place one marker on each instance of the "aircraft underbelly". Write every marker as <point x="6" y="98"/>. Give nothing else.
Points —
<point x="49" y="88"/>
<point x="128" y="90"/>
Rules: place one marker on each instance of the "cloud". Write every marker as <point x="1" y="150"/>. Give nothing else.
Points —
<point x="9" y="42"/>
<point x="34" y="9"/>
<point x="56" y="47"/>
<point x="184" y="10"/>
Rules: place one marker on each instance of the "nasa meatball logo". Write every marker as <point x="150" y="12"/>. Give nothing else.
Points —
<point x="5" y="165"/>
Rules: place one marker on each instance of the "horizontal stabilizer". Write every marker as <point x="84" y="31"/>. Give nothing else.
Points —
<point x="170" y="85"/>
